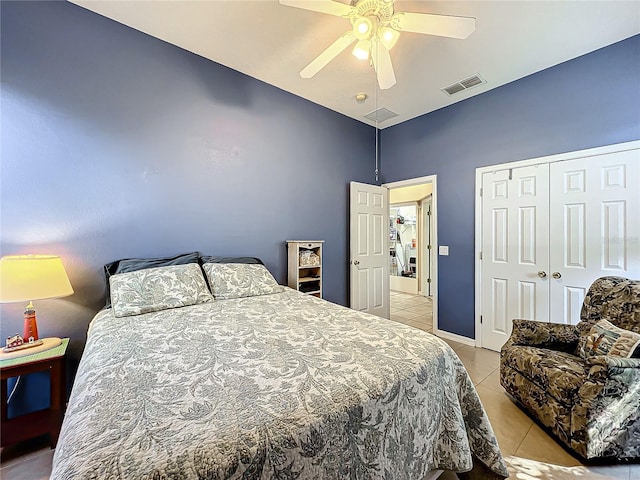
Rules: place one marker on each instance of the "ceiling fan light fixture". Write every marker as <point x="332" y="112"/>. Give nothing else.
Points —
<point x="361" y="50"/>
<point x="388" y="36"/>
<point x="362" y="28"/>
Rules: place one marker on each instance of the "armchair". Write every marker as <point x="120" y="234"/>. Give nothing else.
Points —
<point x="591" y="402"/>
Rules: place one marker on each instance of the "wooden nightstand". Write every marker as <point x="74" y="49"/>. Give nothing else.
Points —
<point x="45" y="421"/>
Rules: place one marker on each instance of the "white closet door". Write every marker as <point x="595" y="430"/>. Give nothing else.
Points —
<point x="595" y="226"/>
<point x="515" y="250"/>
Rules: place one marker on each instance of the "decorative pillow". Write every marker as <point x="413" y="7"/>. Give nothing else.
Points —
<point x="235" y="280"/>
<point x="153" y="289"/>
<point x="605" y="338"/>
<point x="134" y="264"/>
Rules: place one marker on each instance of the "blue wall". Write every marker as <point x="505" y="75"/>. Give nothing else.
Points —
<point x="116" y="144"/>
<point x="590" y="101"/>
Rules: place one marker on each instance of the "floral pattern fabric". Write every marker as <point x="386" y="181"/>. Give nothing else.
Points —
<point x="592" y="405"/>
<point x="284" y="386"/>
<point x="158" y="288"/>
<point x="236" y="280"/>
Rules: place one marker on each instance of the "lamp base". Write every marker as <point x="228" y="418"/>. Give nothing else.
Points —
<point x="46" y="344"/>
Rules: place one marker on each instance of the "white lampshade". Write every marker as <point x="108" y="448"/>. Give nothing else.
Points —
<point x="32" y="277"/>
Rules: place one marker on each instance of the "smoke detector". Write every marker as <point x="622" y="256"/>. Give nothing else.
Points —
<point x="361" y="97"/>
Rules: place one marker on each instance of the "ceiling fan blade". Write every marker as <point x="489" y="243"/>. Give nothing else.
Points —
<point x="322" y="6"/>
<point x="383" y="66"/>
<point x="329" y="54"/>
<point x="429" y="24"/>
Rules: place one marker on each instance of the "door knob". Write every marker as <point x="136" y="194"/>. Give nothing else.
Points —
<point x="556" y="275"/>
<point x="542" y="274"/>
<point x="356" y="262"/>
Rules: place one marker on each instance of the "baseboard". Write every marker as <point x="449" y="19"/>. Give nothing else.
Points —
<point x="456" y="338"/>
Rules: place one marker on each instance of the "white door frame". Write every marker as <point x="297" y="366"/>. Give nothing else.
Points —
<point x="591" y="152"/>
<point x="434" y="234"/>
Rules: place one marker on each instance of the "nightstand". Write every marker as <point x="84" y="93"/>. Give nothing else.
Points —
<point x="49" y="420"/>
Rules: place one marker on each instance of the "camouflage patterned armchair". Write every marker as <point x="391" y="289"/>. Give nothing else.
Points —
<point x="590" y="402"/>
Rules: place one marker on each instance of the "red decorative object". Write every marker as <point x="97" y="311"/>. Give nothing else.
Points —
<point x="30" y="325"/>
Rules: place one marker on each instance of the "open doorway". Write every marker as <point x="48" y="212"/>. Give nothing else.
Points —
<point x="413" y="239"/>
<point x="403" y="246"/>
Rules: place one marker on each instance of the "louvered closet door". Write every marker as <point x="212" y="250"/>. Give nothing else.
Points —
<point x="594" y="224"/>
<point x="515" y="233"/>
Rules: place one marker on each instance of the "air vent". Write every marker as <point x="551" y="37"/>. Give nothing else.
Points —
<point x="464" y="84"/>
<point x="381" y="115"/>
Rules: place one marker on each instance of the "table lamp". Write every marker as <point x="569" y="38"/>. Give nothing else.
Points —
<point x="24" y="278"/>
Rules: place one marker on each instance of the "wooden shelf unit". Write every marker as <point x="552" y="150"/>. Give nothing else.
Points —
<point x="304" y="275"/>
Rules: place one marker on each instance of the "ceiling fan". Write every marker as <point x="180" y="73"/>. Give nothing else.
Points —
<point x="376" y="29"/>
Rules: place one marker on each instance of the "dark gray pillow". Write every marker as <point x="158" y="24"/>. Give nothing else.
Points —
<point x="209" y="259"/>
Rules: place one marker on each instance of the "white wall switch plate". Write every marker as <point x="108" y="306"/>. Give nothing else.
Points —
<point x="443" y="250"/>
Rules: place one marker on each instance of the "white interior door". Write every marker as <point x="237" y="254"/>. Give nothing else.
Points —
<point x="595" y="226"/>
<point x="426" y="265"/>
<point x="369" y="249"/>
<point x="515" y="251"/>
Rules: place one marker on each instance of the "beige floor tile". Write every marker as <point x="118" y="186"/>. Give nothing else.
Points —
<point x="416" y="323"/>
<point x="493" y="381"/>
<point x="479" y="355"/>
<point x="510" y="424"/>
<point x="477" y="377"/>
<point x="479" y="370"/>
<point x="404" y="296"/>
<point x="538" y="445"/>
<point x="421" y="309"/>
<point x="418" y="303"/>
<point x="453" y="344"/>
<point x="407" y="315"/>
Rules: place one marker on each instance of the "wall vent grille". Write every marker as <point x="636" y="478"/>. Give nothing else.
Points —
<point x="464" y="84"/>
<point x="381" y="114"/>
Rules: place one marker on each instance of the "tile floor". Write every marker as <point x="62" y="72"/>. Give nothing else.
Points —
<point x="531" y="453"/>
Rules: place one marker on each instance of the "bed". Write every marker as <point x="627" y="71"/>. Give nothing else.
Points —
<point x="259" y="381"/>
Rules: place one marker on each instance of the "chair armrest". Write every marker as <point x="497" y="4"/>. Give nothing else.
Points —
<point x="606" y="404"/>
<point x="613" y="364"/>
<point x="555" y="336"/>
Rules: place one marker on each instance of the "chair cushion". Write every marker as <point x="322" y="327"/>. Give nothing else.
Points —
<point x="560" y="374"/>
<point x="604" y="338"/>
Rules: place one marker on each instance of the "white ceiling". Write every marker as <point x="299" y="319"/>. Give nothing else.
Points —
<point x="272" y="43"/>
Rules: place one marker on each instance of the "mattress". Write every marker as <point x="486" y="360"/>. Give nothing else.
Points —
<point x="283" y="386"/>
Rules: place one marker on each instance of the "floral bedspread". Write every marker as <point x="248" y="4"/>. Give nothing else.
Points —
<point x="282" y="386"/>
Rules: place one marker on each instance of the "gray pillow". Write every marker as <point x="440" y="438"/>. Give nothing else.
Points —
<point x="159" y="288"/>
<point x="134" y="264"/>
<point x="235" y="280"/>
